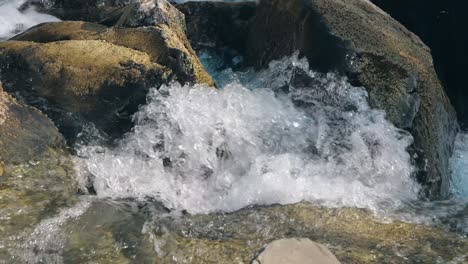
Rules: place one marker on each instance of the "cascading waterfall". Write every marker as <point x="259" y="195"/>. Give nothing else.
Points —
<point x="203" y="150"/>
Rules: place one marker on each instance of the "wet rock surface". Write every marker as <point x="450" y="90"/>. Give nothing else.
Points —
<point x="36" y="173"/>
<point x="359" y="40"/>
<point x="353" y="235"/>
<point x="25" y="132"/>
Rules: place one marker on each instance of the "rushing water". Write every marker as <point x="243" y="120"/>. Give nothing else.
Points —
<point x="202" y="150"/>
<point x="459" y="164"/>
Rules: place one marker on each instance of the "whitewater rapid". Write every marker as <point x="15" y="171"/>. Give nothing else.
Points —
<point x="202" y="150"/>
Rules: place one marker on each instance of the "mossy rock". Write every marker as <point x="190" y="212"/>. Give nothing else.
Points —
<point x="359" y="40"/>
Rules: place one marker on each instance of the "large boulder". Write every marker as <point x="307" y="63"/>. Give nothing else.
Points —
<point x="93" y="79"/>
<point x="442" y="26"/>
<point x="162" y="43"/>
<point x="357" y="39"/>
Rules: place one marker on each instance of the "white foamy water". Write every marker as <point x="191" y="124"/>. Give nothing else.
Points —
<point x="13" y="21"/>
<point x="459" y="165"/>
<point x="202" y="150"/>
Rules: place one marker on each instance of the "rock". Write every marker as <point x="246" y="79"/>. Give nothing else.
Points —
<point x="218" y="24"/>
<point x="295" y="251"/>
<point x="353" y="235"/>
<point x="37" y="175"/>
<point x="99" y="74"/>
<point x="359" y="40"/>
<point x="163" y="44"/>
<point x="25" y="133"/>
<point x="93" y="79"/>
<point x="442" y="26"/>
<point x="108" y="12"/>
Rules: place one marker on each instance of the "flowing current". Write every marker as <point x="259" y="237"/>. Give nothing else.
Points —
<point x="251" y="142"/>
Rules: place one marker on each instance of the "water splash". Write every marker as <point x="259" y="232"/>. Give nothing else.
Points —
<point x="202" y="150"/>
<point x="13" y="21"/>
<point x="459" y="165"/>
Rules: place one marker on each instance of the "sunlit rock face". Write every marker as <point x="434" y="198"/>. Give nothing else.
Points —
<point x="80" y="80"/>
<point x="86" y="72"/>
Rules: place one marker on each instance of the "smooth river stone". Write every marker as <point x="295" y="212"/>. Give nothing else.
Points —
<point x="296" y="251"/>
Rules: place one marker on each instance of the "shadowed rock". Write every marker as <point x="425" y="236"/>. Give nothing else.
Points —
<point x="25" y="133"/>
<point x="36" y="173"/>
<point x="218" y="24"/>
